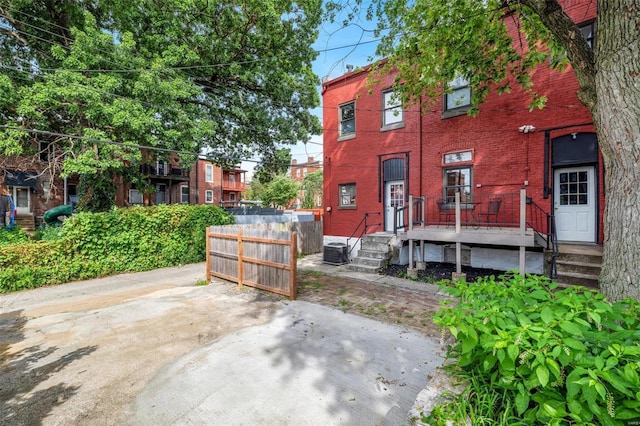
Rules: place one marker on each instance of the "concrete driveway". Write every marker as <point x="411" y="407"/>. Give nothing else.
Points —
<point x="154" y="349"/>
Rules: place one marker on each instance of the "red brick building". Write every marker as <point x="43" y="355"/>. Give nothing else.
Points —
<point x="299" y="171"/>
<point x="377" y="152"/>
<point x="36" y="189"/>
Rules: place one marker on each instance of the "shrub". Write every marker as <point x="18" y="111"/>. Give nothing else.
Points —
<point x="90" y="245"/>
<point x="12" y="236"/>
<point x="553" y="356"/>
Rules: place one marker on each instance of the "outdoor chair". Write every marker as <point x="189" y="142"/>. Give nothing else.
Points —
<point x="446" y="211"/>
<point x="492" y="212"/>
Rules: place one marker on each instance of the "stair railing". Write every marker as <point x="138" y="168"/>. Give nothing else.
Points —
<point x="360" y="230"/>
<point x="544" y="224"/>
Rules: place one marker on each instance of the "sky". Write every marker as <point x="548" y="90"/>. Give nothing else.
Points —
<point x="338" y="47"/>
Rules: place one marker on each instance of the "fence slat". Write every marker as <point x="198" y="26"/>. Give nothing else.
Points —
<point x="261" y="258"/>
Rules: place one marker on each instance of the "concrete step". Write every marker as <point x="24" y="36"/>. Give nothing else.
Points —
<point x="587" y="268"/>
<point x="378" y="238"/>
<point x="375" y="245"/>
<point x="368" y="261"/>
<point x="580" y="258"/>
<point x="374" y="254"/>
<point x="575" y="278"/>
<point x="362" y="268"/>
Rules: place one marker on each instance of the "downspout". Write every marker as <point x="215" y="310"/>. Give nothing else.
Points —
<point x="197" y="190"/>
<point x="420" y="145"/>
<point x="546" y="190"/>
<point x="65" y="191"/>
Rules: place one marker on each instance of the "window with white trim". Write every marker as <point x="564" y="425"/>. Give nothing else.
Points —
<point x="208" y="196"/>
<point x="208" y="173"/>
<point x="347" y="195"/>
<point x="459" y="95"/>
<point x="347" y="117"/>
<point x="392" y="115"/>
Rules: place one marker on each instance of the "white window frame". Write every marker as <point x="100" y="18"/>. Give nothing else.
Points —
<point x="232" y="196"/>
<point x="344" y="118"/>
<point x="392" y="112"/>
<point x="208" y="173"/>
<point x="347" y="196"/>
<point x="458" y="89"/>
<point x="208" y="196"/>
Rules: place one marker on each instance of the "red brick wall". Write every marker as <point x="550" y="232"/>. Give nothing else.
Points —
<point x="503" y="157"/>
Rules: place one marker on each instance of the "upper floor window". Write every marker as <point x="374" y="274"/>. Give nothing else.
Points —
<point x="208" y="173"/>
<point x="392" y="115"/>
<point x="588" y="30"/>
<point x="297" y="172"/>
<point x="46" y="150"/>
<point x="304" y="171"/>
<point x="459" y="95"/>
<point x="347" y="120"/>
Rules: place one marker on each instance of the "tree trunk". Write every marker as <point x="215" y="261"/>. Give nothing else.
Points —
<point x="617" y="119"/>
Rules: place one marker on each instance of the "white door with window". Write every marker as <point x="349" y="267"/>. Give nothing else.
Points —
<point x="22" y="199"/>
<point x="574" y="203"/>
<point x="394" y="197"/>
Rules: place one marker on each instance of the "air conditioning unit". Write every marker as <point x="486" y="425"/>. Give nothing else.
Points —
<point x="335" y="254"/>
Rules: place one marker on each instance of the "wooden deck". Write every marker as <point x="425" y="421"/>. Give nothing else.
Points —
<point x="499" y="236"/>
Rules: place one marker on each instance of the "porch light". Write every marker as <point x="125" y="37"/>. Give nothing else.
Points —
<point x="527" y="128"/>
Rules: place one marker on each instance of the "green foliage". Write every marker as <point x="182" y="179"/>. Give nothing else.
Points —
<point x="90" y="245"/>
<point x="97" y="192"/>
<point x="553" y="356"/>
<point x="272" y="164"/>
<point x="229" y="78"/>
<point x="312" y="186"/>
<point x="49" y="233"/>
<point x="280" y="191"/>
<point x="12" y="236"/>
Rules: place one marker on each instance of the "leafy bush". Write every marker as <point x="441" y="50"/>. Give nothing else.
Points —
<point x="12" y="236"/>
<point x="549" y="356"/>
<point x="90" y="245"/>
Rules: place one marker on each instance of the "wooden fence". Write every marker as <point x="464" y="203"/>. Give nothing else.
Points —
<point x="309" y="234"/>
<point x="260" y="258"/>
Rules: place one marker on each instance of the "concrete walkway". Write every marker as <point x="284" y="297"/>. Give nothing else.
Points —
<point x="153" y="349"/>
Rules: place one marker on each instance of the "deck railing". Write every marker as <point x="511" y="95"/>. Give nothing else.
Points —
<point x="412" y="213"/>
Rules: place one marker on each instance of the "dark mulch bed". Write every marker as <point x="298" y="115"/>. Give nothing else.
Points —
<point x="440" y="271"/>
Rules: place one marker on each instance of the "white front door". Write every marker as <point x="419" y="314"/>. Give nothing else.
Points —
<point x="22" y="199"/>
<point x="575" y="204"/>
<point x="394" y="197"/>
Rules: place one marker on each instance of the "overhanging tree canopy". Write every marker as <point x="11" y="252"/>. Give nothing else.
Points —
<point x="227" y="77"/>
<point x="429" y="41"/>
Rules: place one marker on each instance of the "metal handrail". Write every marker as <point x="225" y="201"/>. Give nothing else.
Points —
<point x="549" y="235"/>
<point x="364" y="230"/>
<point x="555" y="248"/>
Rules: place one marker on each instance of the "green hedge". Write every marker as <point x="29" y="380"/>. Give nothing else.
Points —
<point x="122" y="240"/>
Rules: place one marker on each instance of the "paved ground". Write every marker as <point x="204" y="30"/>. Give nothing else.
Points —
<point x="154" y="348"/>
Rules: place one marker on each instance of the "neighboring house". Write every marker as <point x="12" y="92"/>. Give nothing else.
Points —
<point x="378" y="152"/>
<point x="298" y="172"/>
<point x="35" y="184"/>
<point x="36" y="189"/>
<point x="203" y="183"/>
